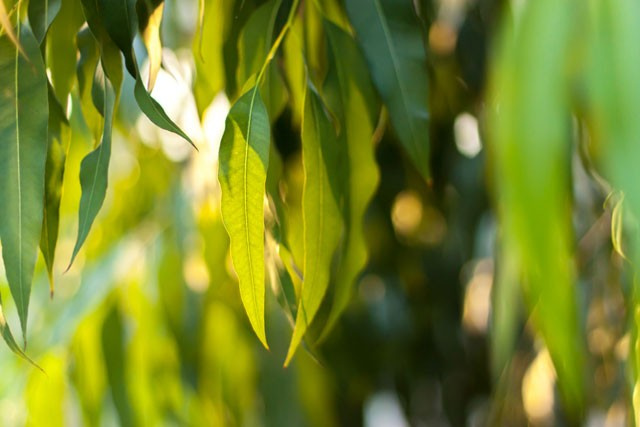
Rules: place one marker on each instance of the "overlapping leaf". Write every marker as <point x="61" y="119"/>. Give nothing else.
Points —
<point x="350" y="96"/>
<point x="322" y="218"/>
<point x="391" y="39"/>
<point x="41" y="15"/>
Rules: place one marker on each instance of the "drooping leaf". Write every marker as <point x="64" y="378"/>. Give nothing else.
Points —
<point x="216" y="19"/>
<point x="254" y="44"/>
<point x="121" y="23"/>
<point x="89" y="56"/>
<point x="244" y="159"/>
<point x="59" y="134"/>
<point x="390" y="36"/>
<point x="612" y="62"/>
<point x="62" y="49"/>
<point x="41" y="15"/>
<point x="529" y="122"/>
<point x="150" y="17"/>
<point x="350" y="96"/>
<point x="7" y="336"/>
<point x="320" y="210"/>
<point x="23" y="152"/>
<point x="94" y="169"/>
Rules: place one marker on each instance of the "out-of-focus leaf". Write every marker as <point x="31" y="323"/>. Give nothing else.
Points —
<point x="244" y="159"/>
<point x="391" y="39"/>
<point x="150" y="17"/>
<point x="7" y="336"/>
<point x="529" y="124"/>
<point x="294" y="68"/>
<point x="45" y="394"/>
<point x="23" y="153"/>
<point x="41" y="15"/>
<point x="7" y="26"/>
<point x="350" y="96"/>
<point x="89" y="56"/>
<point x="216" y="18"/>
<point x="94" y="170"/>
<point x="254" y="44"/>
<point x="121" y="23"/>
<point x="62" y="49"/>
<point x="54" y="173"/>
<point x="320" y="210"/>
<point x="113" y="349"/>
<point x="612" y="66"/>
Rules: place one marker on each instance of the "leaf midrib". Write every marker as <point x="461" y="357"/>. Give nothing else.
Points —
<point x="395" y="62"/>
<point x="17" y="116"/>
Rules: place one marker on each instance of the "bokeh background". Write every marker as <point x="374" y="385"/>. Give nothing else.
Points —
<point x="147" y="327"/>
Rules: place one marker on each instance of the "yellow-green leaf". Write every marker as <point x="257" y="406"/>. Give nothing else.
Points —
<point x="350" y="96"/>
<point x="244" y="159"/>
<point x="321" y="153"/>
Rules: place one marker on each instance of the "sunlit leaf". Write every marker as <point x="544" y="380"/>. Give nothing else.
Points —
<point x="41" y="15"/>
<point x="530" y="125"/>
<point x="350" y="96"/>
<point x="150" y="17"/>
<point x="7" y="27"/>
<point x="244" y="159"/>
<point x="391" y="39"/>
<point x="23" y="152"/>
<point x="320" y="209"/>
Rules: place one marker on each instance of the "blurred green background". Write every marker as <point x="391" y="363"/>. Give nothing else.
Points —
<point x="147" y="327"/>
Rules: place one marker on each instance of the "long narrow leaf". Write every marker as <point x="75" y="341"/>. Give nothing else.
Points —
<point x="244" y="159"/>
<point x="23" y="152"/>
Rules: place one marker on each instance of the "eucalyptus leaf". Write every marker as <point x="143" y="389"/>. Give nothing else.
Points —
<point x="244" y="160"/>
<point x="23" y="153"/>
<point x="391" y="38"/>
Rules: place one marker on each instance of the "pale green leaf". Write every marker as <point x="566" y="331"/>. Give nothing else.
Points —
<point x="150" y="16"/>
<point x="23" y="152"/>
<point x="244" y="159"/>
<point x="391" y="38"/>
<point x="321" y="213"/>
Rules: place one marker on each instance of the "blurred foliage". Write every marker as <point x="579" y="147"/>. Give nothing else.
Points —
<point x="427" y="210"/>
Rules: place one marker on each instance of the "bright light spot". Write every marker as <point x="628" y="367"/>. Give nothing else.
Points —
<point x="467" y="136"/>
<point x="195" y="272"/>
<point x="383" y="409"/>
<point x="477" y="302"/>
<point x="600" y="340"/>
<point x="622" y="347"/>
<point x="537" y="389"/>
<point x="213" y="122"/>
<point x="406" y="213"/>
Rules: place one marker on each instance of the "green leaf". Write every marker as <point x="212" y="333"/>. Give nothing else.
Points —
<point x="254" y="44"/>
<point x="23" y="152"/>
<point x="530" y="128"/>
<point x="121" y="23"/>
<point x="391" y="38"/>
<point x="351" y="97"/>
<point x="244" y="159"/>
<point x="59" y="135"/>
<point x="94" y="169"/>
<point x="41" y="15"/>
<point x="215" y="21"/>
<point x="150" y="17"/>
<point x="5" y="330"/>
<point x="321" y="213"/>
<point x="7" y="27"/>
<point x="62" y="49"/>
<point x="89" y="56"/>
